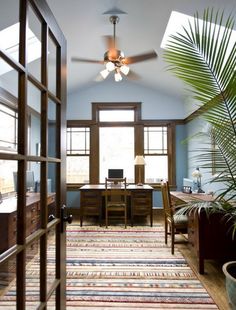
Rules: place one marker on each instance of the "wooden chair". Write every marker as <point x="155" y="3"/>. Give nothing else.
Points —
<point x="115" y="197"/>
<point x="174" y="224"/>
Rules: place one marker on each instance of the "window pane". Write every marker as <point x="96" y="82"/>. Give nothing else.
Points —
<point x="77" y="169"/>
<point x="78" y="140"/>
<point x="117" y="151"/>
<point x="116" y="116"/>
<point x="155" y="140"/>
<point x="156" y="168"/>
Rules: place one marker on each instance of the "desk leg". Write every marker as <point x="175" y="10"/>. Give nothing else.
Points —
<point x="81" y="217"/>
<point x="151" y="217"/>
<point x="201" y="265"/>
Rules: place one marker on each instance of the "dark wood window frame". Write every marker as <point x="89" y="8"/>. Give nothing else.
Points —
<point x="138" y="125"/>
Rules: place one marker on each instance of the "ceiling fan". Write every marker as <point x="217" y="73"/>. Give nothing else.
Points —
<point x="114" y="59"/>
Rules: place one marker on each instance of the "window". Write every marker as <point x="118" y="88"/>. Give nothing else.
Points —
<point x="112" y="139"/>
<point x="116" y="151"/>
<point x="78" y="152"/>
<point x="156" y="154"/>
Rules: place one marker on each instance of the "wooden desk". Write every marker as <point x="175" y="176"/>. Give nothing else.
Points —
<point x="208" y="236"/>
<point x="140" y="202"/>
<point x="8" y="217"/>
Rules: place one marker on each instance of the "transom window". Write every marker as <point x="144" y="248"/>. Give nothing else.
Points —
<point x="116" y="115"/>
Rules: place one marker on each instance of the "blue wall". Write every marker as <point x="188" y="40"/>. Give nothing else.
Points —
<point x="155" y="105"/>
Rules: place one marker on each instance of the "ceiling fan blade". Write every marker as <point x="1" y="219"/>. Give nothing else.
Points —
<point x="140" y="57"/>
<point x="77" y="59"/>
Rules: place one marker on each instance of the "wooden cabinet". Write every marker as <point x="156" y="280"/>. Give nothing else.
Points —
<point x="209" y="236"/>
<point x="8" y="218"/>
<point x="92" y="202"/>
<point x="141" y="204"/>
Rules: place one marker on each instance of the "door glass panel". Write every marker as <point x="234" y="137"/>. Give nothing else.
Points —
<point x="8" y="128"/>
<point x="34" y="118"/>
<point x="8" y="82"/>
<point x="34" y="44"/>
<point x="9" y="28"/>
<point x="52" y="60"/>
<point x="52" y="302"/>
<point x="51" y="188"/>
<point x="51" y="258"/>
<point x="8" y="284"/>
<point x="33" y="275"/>
<point x="52" y="129"/>
<point x="8" y="206"/>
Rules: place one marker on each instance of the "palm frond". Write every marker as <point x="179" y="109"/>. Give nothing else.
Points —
<point x="204" y="57"/>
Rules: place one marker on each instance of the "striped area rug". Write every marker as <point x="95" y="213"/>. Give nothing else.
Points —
<point x="129" y="269"/>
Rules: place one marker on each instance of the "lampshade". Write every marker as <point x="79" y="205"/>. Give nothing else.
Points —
<point x="118" y="76"/>
<point x="196" y="173"/>
<point x="117" y="68"/>
<point x="124" y="69"/>
<point x="110" y="66"/>
<point x="139" y="160"/>
<point x="104" y="73"/>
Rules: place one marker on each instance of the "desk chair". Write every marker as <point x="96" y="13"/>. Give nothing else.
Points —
<point x="174" y="224"/>
<point x="115" y="197"/>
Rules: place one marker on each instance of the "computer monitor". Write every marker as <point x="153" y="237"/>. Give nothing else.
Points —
<point x="115" y="173"/>
<point x="29" y="180"/>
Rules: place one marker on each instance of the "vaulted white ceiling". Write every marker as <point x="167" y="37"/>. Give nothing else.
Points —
<point x="141" y="29"/>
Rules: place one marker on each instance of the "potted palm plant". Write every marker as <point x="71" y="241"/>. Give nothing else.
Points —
<point x="203" y="55"/>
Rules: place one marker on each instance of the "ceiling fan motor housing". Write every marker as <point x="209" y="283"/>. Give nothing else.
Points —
<point x="115" y="56"/>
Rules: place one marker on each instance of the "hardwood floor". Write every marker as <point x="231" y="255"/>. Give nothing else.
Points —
<point x="213" y="279"/>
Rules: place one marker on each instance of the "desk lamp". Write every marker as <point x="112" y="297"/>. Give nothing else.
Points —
<point x="197" y="175"/>
<point x="139" y="161"/>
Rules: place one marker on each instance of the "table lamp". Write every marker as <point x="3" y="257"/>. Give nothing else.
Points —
<point x="197" y="175"/>
<point x="139" y="161"/>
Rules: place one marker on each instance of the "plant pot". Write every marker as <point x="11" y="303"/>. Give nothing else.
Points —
<point x="229" y="270"/>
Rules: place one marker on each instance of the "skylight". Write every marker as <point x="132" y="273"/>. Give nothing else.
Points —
<point x="179" y="20"/>
<point x="9" y="41"/>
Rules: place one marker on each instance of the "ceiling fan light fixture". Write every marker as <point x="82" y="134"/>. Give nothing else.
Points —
<point x="118" y="76"/>
<point x="104" y="73"/>
<point x="110" y="66"/>
<point x="124" y="69"/>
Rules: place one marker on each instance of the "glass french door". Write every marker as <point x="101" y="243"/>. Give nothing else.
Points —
<point x="32" y="157"/>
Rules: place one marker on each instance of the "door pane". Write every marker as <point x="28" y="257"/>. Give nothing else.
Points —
<point x="8" y="82"/>
<point x="52" y="130"/>
<point x="9" y="28"/>
<point x="33" y="276"/>
<point x="51" y="258"/>
<point x="34" y="118"/>
<point x="8" y="284"/>
<point x="34" y="44"/>
<point x="51" y="187"/>
<point x="52" y="60"/>
<point x="117" y="152"/>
